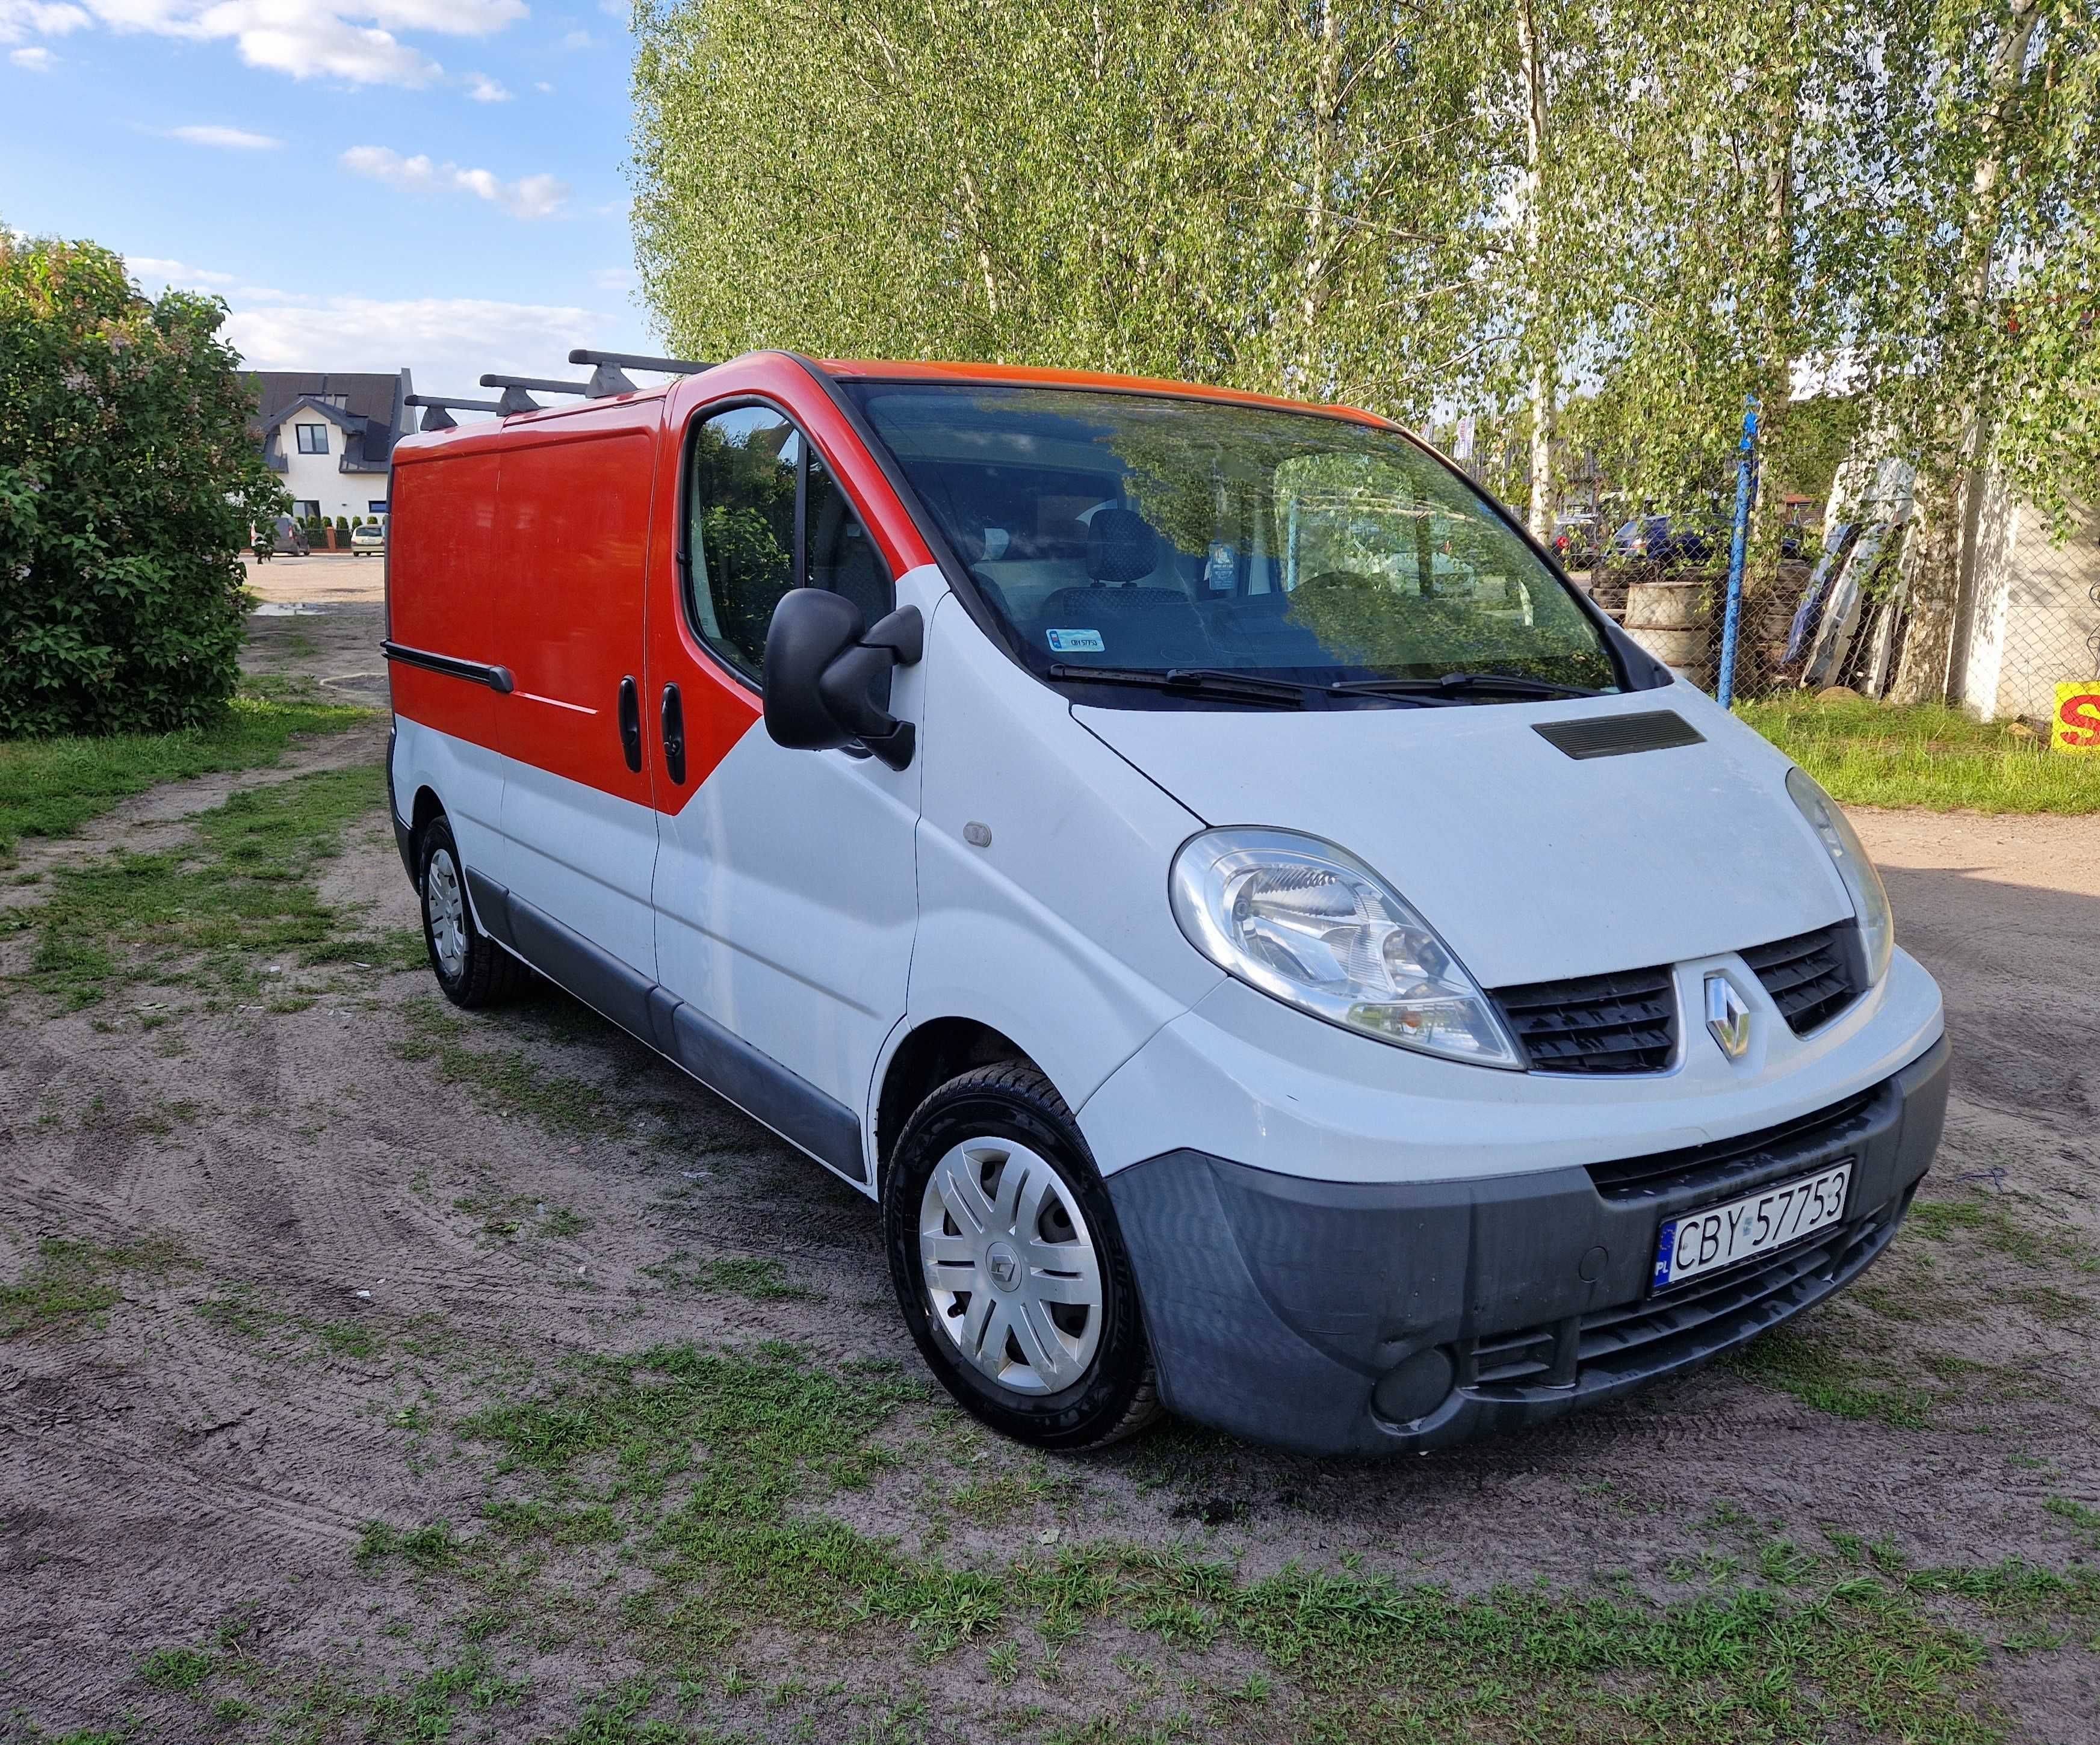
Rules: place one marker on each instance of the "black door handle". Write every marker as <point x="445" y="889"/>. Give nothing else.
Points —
<point x="630" y="723"/>
<point x="674" y="737"/>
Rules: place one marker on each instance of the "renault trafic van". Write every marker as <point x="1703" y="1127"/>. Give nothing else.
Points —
<point x="1273" y="949"/>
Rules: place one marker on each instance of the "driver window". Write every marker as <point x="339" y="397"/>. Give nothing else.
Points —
<point x="763" y="514"/>
<point x="740" y="529"/>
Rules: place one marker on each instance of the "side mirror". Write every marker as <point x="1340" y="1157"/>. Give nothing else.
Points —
<point x="822" y="665"/>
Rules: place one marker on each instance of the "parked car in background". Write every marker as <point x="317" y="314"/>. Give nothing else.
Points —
<point x="369" y="540"/>
<point x="1659" y="540"/>
<point x="1575" y="541"/>
<point x="289" y="540"/>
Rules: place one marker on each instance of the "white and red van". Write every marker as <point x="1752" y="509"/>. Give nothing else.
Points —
<point x="1272" y="946"/>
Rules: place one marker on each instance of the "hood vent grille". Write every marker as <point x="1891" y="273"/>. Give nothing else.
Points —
<point x="1625" y="1022"/>
<point x="1616" y="735"/>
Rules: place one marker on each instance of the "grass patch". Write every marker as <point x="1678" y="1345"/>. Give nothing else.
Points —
<point x="506" y="1081"/>
<point x="50" y="788"/>
<point x="756" y="1276"/>
<point x="521" y="1214"/>
<point x="704" y="1472"/>
<point x="509" y="1081"/>
<point x="1819" y="1375"/>
<point x="1992" y="1220"/>
<point x="303" y="1704"/>
<point x="242" y="899"/>
<point x="70" y="1281"/>
<point x="2084" y="1518"/>
<point x="1872" y="754"/>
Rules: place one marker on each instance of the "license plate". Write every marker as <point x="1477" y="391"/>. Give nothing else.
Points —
<point x="1716" y="1236"/>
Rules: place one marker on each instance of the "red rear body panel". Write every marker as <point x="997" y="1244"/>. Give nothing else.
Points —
<point x="548" y="544"/>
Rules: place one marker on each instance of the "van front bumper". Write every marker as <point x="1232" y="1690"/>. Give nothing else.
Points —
<point x="1372" y="1318"/>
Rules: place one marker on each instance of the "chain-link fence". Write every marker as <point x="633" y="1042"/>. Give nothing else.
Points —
<point x="1837" y="610"/>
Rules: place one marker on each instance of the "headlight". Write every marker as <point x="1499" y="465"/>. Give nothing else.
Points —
<point x="1310" y="924"/>
<point x="1870" y="898"/>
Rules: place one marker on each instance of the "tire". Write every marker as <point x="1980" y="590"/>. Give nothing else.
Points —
<point x="1052" y="1354"/>
<point x="472" y="969"/>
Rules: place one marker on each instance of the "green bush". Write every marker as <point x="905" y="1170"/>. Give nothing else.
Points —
<point x="343" y="522"/>
<point x="127" y="485"/>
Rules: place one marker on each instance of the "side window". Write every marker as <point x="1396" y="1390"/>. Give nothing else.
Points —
<point x="841" y="556"/>
<point x="763" y="514"/>
<point x="744" y="466"/>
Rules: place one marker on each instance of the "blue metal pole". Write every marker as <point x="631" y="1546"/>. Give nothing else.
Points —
<point x="1746" y="474"/>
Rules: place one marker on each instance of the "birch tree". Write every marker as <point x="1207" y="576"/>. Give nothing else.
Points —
<point x="1273" y="196"/>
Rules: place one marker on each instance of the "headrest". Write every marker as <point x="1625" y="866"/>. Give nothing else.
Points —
<point x="1121" y="546"/>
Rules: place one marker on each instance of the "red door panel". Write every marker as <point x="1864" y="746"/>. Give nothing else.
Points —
<point x="573" y="553"/>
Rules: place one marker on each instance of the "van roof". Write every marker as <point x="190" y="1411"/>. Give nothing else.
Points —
<point x="901" y="370"/>
<point x="865" y="369"/>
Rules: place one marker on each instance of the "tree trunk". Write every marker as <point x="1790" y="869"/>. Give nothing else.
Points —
<point x="1941" y="538"/>
<point x="1543" y="387"/>
<point x="1326" y="85"/>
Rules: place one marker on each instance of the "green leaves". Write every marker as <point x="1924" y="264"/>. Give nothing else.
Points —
<point x="1615" y="220"/>
<point x="127" y="483"/>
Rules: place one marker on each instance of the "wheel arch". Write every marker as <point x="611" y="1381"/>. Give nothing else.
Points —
<point x="425" y="806"/>
<point x="927" y="1056"/>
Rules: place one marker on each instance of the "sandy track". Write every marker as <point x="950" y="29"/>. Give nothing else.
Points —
<point x="166" y="1468"/>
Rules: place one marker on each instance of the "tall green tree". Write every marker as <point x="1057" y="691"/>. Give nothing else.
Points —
<point x="1976" y="320"/>
<point x="1275" y="196"/>
<point x="1599" y="227"/>
<point x="127" y="486"/>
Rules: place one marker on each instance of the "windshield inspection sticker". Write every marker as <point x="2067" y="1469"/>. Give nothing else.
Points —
<point x="1074" y="641"/>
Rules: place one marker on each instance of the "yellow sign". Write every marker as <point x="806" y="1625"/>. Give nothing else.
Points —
<point x="2075" y="726"/>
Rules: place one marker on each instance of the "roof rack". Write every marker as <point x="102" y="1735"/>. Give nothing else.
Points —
<point x="609" y="376"/>
<point x="516" y="399"/>
<point x="437" y="409"/>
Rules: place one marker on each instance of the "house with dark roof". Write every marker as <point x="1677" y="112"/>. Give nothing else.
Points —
<point x="329" y="438"/>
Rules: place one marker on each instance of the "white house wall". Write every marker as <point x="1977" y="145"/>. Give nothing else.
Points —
<point x="319" y="479"/>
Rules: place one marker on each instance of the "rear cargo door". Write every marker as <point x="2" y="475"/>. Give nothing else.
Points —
<point x="786" y="888"/>
<point x="579" y="827"/>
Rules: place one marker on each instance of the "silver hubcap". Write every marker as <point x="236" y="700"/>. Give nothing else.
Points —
<point x="447" y="908"/>
<point x="1010" y="1267"/>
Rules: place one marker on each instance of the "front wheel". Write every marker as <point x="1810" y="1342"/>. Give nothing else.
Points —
<point x="1009" y="1266"/>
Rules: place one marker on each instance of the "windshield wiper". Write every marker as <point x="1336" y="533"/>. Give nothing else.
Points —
<point x="1195" y="682"/>
<point x="1452" y="683"/>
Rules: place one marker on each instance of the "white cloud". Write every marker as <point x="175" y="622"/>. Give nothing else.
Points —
<point x="23" y="18"/>
<point x="343" y="39"/>
<point x="541" y="85"/>
<point x="576" y="39"/>
<point x="150" y="270"/>
<point x="483" y="89"/>
<point x="621" y="10"/>
<point x="447" y="341"/>
<point x="32" y="60"/>
<point x="613" y="278"/>
<point x="539" y="196"/>
<point x="226" y="139"/>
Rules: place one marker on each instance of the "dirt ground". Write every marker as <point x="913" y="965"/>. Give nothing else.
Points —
<point x="312" y="1253"/>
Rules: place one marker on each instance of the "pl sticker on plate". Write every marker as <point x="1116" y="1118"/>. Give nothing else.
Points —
<point x="1074" y="641"/>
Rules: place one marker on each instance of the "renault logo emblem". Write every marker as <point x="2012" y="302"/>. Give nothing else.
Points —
<point x="1727" y="1017"/>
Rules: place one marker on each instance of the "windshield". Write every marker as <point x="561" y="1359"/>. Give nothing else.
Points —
<point x="1117" y="530"/>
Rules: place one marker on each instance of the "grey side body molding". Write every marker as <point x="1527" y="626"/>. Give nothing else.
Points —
<point x="770" y="1093"/>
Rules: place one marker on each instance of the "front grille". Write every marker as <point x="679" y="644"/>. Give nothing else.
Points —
<point x="1652" y="1335"/>
<point x="1625" y="1022"/>
<point x="1810" y="977"/>
<point x="1712" y="1167"/>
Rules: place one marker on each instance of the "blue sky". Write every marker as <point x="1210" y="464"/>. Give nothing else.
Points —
<point x="369" y="184"/>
